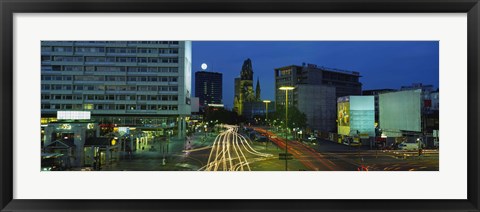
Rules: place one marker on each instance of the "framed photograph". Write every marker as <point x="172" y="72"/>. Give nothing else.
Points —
<point x="264" y="105"/>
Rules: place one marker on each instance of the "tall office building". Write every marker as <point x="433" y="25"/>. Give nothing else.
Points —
<point x="346" y="82"/>
<point x="208" y="87"/>
<point x="317" y="89"/>
<point x="131" y="83"/>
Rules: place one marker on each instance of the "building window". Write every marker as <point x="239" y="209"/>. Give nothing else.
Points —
<point x="46" y="68"/>
<point x="62" y="49"/>
<point x="67" y="59"/>
<point x="153" y="60"/>
<point x="90" y="49"/>
<point x="88" y="106"/>
<point x="72" y="68"/>
<point x="46" y="59"/>
<point x="46" y="49"/>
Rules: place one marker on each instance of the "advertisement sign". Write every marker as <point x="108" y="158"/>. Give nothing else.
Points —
<point x="356" y="115"/>
<point x="343" y="115"/>
<point x="73" y="115"/>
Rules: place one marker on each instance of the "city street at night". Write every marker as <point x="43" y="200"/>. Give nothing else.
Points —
<point x="231" y="151"/>
<point x="185" y="105"/>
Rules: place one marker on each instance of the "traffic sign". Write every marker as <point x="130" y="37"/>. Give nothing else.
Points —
<point x="285" y="156"/>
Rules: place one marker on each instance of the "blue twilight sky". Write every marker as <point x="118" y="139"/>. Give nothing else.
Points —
<point x="382" y="64"/>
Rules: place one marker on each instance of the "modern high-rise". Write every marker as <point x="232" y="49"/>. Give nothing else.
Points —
<point x="346" y="82"/>
<point x="208" y="87"/>
<point x="132" y="83"/>
<point x="316" y="91"/>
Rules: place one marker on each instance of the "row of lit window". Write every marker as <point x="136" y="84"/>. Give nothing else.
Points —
<point x="109" y="97"/>
<point x="108" y="107"/>
<point x="109" y="59"/>
<point x="46" y="87"/>
<point x="108" y="78"/>
<point x="70" y="49"/>
<point x="110" y="68"/>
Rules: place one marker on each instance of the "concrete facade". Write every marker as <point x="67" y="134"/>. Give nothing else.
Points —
<point x="318" y="102"/>
<point x="123" y="82"/>
<point x="314" y="83"/>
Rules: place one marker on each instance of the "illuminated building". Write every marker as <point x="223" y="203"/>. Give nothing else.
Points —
<point x="375" y="93"/>
<point x="208" y="87"/>
<point x="410" y="113"/>
<point x="356" y="115"/>
<point x="317" y="89"/>
<point x="245" y="92"/>
<point x="131" y="83"/>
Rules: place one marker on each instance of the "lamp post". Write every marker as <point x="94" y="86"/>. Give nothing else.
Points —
<point x="266" y="119"/>
<point x="205" y="129"/>
<point x="286" y="89"/>
<point x="266" y="109"/>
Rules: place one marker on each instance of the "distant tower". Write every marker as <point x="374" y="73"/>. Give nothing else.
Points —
<point x="244" y="87"/>
<point x="247" y="70"/>
<point x="258" y="90"/>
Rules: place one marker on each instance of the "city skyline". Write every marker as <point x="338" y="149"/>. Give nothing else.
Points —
<point x="405" y="62"/>
<point x="126" y="105"/>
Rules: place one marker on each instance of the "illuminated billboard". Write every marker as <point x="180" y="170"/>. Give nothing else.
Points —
<point x="343" y="115"/>
<point x="400" y="111"/>
<point x="73" y="115"/>
<point x="356" y="115"/>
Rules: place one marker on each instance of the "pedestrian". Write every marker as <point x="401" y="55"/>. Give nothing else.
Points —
<point x="95" y="163"/>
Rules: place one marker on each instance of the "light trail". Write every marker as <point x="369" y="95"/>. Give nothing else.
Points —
<point x="229" y="152"/>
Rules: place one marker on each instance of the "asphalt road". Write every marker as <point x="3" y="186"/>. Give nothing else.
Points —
<point x="232" y="150"/>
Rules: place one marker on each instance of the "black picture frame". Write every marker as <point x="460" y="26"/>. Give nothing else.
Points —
<point x="9" y="7"/>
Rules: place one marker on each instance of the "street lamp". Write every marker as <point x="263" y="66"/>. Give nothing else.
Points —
<point x="266" y="109"/>
<point x="205" y="128"/>
<point x="286" y="89"/>
<point x="266" y="119"/>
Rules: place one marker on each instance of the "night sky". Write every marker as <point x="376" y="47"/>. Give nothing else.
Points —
<point x="382" y="64"/>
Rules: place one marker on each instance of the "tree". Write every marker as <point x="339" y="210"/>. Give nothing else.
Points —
<point x="295" y="117"/>
<point x="220" y="115"/>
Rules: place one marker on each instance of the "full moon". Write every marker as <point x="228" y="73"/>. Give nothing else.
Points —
<point x="204" y="66"/>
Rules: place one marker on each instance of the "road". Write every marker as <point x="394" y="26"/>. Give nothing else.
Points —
<point x="330" y="156"/>
<point x="231" y="151"/>
<point x="307" y="155"/>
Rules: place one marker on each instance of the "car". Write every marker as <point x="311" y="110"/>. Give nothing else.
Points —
<point x="355" y="143"/>
<point x="408" y="146"/>
<point x="312" y="138"/>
